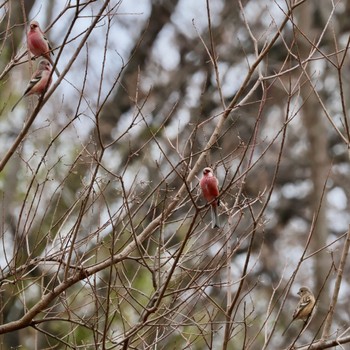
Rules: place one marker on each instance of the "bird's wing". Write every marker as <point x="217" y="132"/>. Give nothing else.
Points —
<point x="304" y="302"/>
<point x="35" y="79"/>
<point x="48" y="43"/>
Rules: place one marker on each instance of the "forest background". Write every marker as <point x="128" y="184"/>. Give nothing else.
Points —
<point x="105" y="239"/>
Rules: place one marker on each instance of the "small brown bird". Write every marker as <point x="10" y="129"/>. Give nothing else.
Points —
<point x="305" y="308"/>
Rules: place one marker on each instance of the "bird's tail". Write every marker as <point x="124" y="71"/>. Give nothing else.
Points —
<point x="289" y="324"/>
<point x="16" y="103"/>
<point x="215" y="221"/>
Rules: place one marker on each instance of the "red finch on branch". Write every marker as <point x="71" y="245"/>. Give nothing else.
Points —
<point x="305" y="308"/>
<point x="37" y="43"/>
<point x="39" y="82"/>
<point x="210" y="189"/>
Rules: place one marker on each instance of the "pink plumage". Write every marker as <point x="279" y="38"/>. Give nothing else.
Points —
<point x="38" y="45"/>
<point x="210" y="189"/>
<point x="39" y="82"/>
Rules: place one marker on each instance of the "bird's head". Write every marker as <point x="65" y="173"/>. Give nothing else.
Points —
<point x="303" y="291"/>
<point x="33" y="25"/>
<point x="207" y="171"/>
<point x="44" y="65"/>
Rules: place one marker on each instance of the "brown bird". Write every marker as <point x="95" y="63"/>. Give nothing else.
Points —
<point x="305" y="308"/>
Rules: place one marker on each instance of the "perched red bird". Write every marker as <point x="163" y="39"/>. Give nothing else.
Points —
<point x="210" y="189"/>
<point x="38" y="44"/>
<point x="39" y="82"/>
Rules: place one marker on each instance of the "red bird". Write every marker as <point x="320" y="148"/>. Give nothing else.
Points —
<point x="39" y="82"/>
<point x="38" y="44"/>
<point x="210" y="189"/>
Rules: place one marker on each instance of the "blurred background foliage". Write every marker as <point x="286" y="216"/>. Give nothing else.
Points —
<point x="108" y="152"/>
